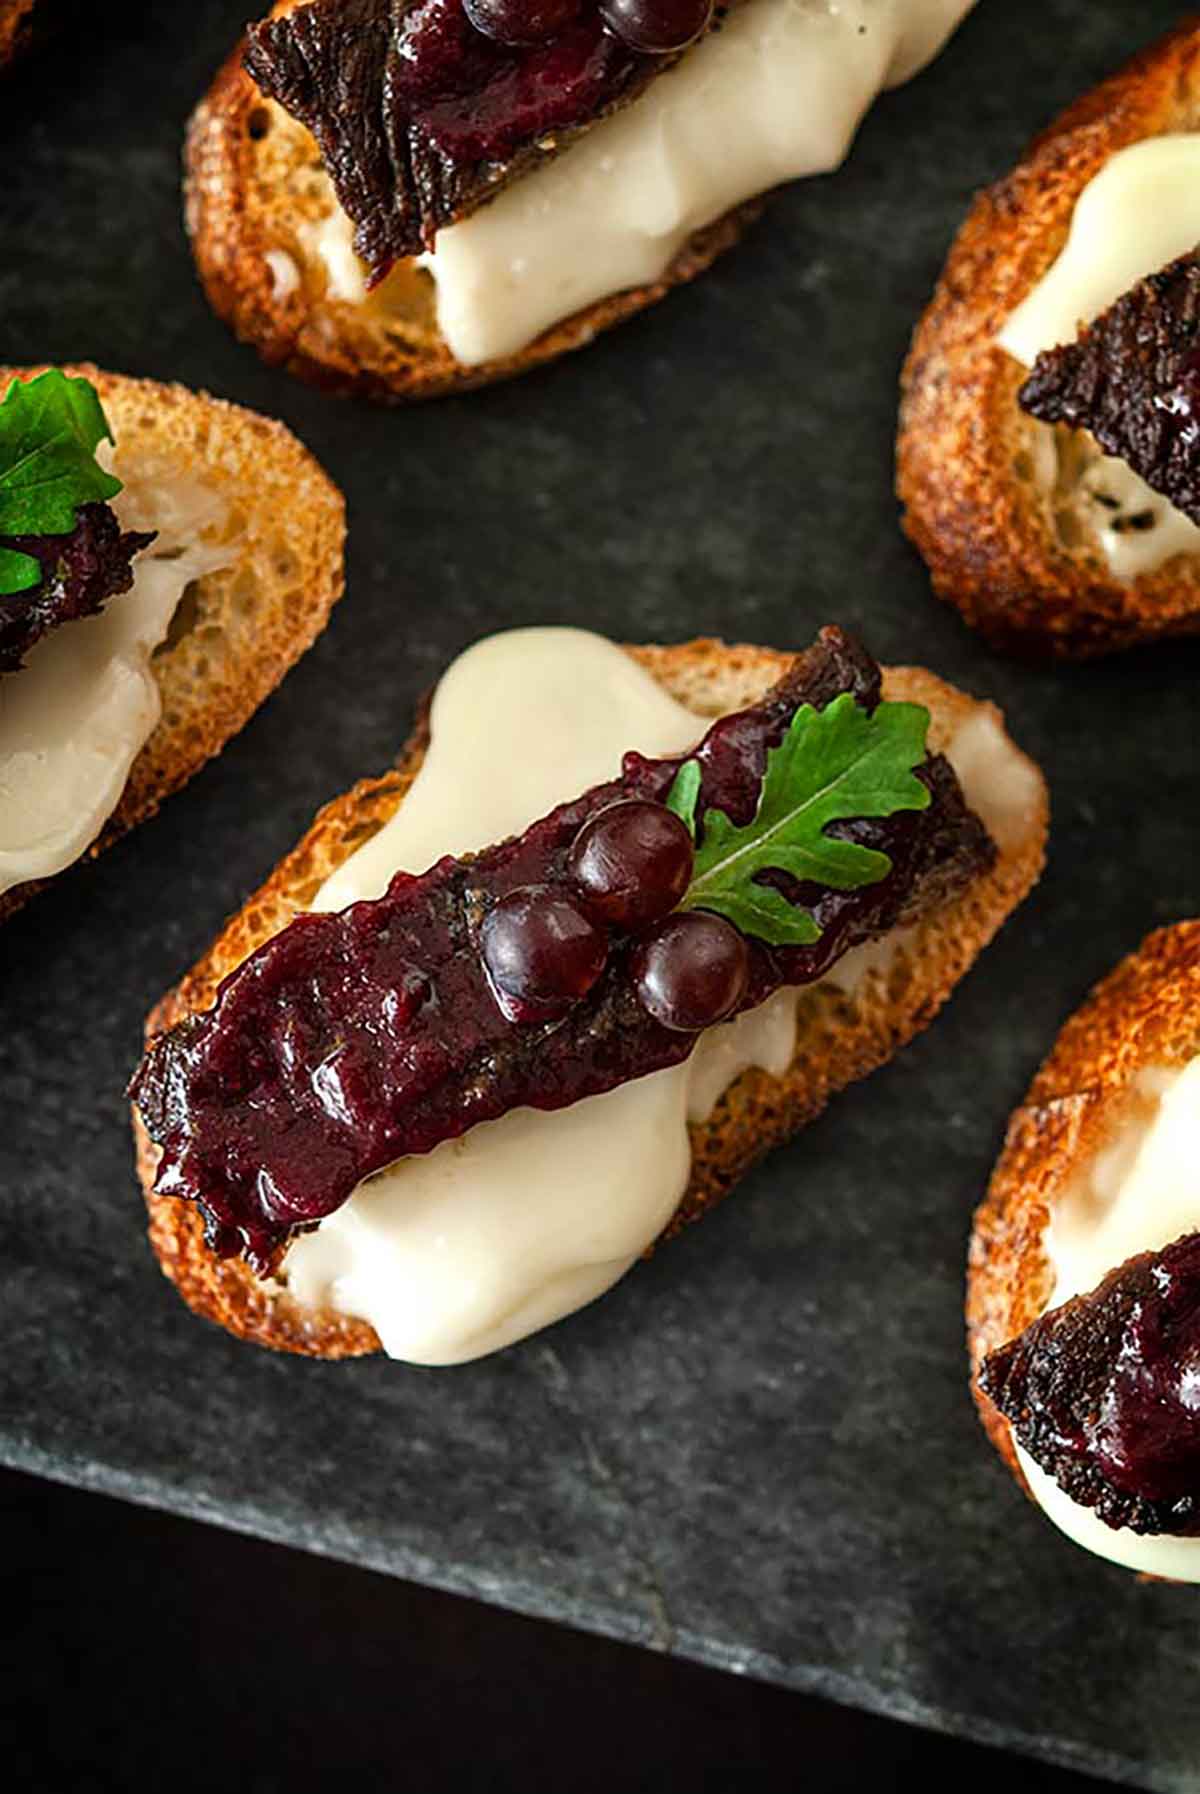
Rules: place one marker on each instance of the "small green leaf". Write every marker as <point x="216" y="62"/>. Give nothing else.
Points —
<point x="18" y="571"/>
<point x="49" y="431"/>
<point x="765" y="913"/>
<point x="683" y="795"/>
<point x="833" y="765"/>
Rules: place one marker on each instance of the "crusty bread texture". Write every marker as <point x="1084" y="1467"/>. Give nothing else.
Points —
<point x="1014" y="560"/>
<point x="1145" y="1013"/>
<point x="237" y="630"/>
<point x="255" y="191"/>
<point x="14" y="27"/>
<point x="840" y="1038"/>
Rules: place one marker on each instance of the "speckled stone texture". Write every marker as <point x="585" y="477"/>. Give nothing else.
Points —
<point x="759" y="1451"/>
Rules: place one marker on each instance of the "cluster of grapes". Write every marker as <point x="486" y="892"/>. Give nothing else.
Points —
<point x="545" y="946"/>
<point x="655" y="27"/>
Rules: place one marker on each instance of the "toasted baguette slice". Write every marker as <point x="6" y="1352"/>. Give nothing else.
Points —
<point x="255" y="188"/>
<point x="15" y="24"/>
<point x="237" y="630"/>
<point x="1145" y="1013"/>
<point x="966" y="466"/>
<point x="840" y="1038"/>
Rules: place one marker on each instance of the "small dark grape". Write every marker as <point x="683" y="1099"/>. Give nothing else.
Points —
<point x="542" y="952"/>
<point x="692" y="971"/>
<point x="632" y="862"/>
<point x="521" y="22"/>
<point x="657" y="27"/>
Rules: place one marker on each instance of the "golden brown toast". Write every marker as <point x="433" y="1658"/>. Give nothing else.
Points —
<point x="840" y="1038"/>
<point x="254" y="182"/>
<point x="1145" y="1013"/>
<point x="14" y="27"/>
<point x="1009" y="559"/>
<point x="239" y="629"/>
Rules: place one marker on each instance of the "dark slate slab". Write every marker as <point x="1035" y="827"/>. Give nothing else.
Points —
<point x="759" y="1451"/>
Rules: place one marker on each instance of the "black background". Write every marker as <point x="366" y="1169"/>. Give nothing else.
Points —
<point x="758" y="1451"/>
<point x="150" y="1653"/>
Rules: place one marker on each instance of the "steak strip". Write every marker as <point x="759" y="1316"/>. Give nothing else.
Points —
<point x="420" y="119"/>
<point x="1133" y="379"/>
<point x="1104" y="1393"/>
<point x="81" y="571"/>
<point x="352" y="1040"/>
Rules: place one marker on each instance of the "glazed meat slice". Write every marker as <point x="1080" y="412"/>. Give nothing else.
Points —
<point x="80" y="573"/>
<point x="420" y="117"/>
<point x="1104" y="1393"/>
<point x="1133" y="379"/>
<point x="351" y="1040"/>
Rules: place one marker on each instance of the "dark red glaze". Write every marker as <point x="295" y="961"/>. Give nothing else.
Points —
<point x="475" y="100"/>
<point x="1104" y="1393"/>
<point x="523" y="21"/>
<point x="352" y="1040"/>
<point x="420" y="117"/>
<point x="80" y="573"/>
<point x="691" y="971"/>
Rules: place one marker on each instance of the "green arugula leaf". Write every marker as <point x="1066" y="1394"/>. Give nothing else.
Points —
<point x="49" y="431"/>
<point x="17" y="571"/>
<point x="833" y="765"/>
<point x="684" y="793"/>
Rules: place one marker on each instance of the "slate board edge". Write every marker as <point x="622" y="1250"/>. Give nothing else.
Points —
<point x="537" y="1601"/>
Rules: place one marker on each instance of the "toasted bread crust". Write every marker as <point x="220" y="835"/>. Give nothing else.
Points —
<point x="971" y="504"/>
<point x="250" y="621"/>
<point x="14" y="27"/>
<point x="1145" y="1013"/>
<point x="840" y="1038"/>
<point x="251" y="177"/>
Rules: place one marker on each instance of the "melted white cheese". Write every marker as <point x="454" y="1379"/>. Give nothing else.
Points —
<point x="461" y="1251"/>
<point x="1177" y="1559"/>
<point x="1140" y="1192"/>
<point x="1002" y="787"/>
<point x="331" y="240"/>
<point x="285" y="273"/>
<point x="1141" y="211"/>
<point x="1137" y="529"/>
<point x="75" y="718"/>
<point x="777" y="92"/>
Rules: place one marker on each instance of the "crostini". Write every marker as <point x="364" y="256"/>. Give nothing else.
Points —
<point x="1083" y="1303"/>
<point x="1042" y="473"/>
<point x="15" y="24"/>
<point x="432" y="1114"/>
<point x="408" y="197"/>
<point x="164" y="559"/>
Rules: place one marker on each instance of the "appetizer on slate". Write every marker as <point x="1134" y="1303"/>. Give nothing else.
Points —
<point x="164" y="558"/>
<point x="1083" y="1305"/>
<point x="1049" y="459"/>
<point x="548" y="988"/>
<point x="403" y="197"/>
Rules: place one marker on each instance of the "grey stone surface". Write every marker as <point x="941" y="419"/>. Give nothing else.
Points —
<point x="759" y="1451"/>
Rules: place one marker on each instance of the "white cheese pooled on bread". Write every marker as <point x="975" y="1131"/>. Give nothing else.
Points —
<point x="1140" y="1192"/>
<point x="463" y="1250"/>
<point x="775" y="93"/>
<point x="75" y="718"/>
<point x="1139" y="213"/>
